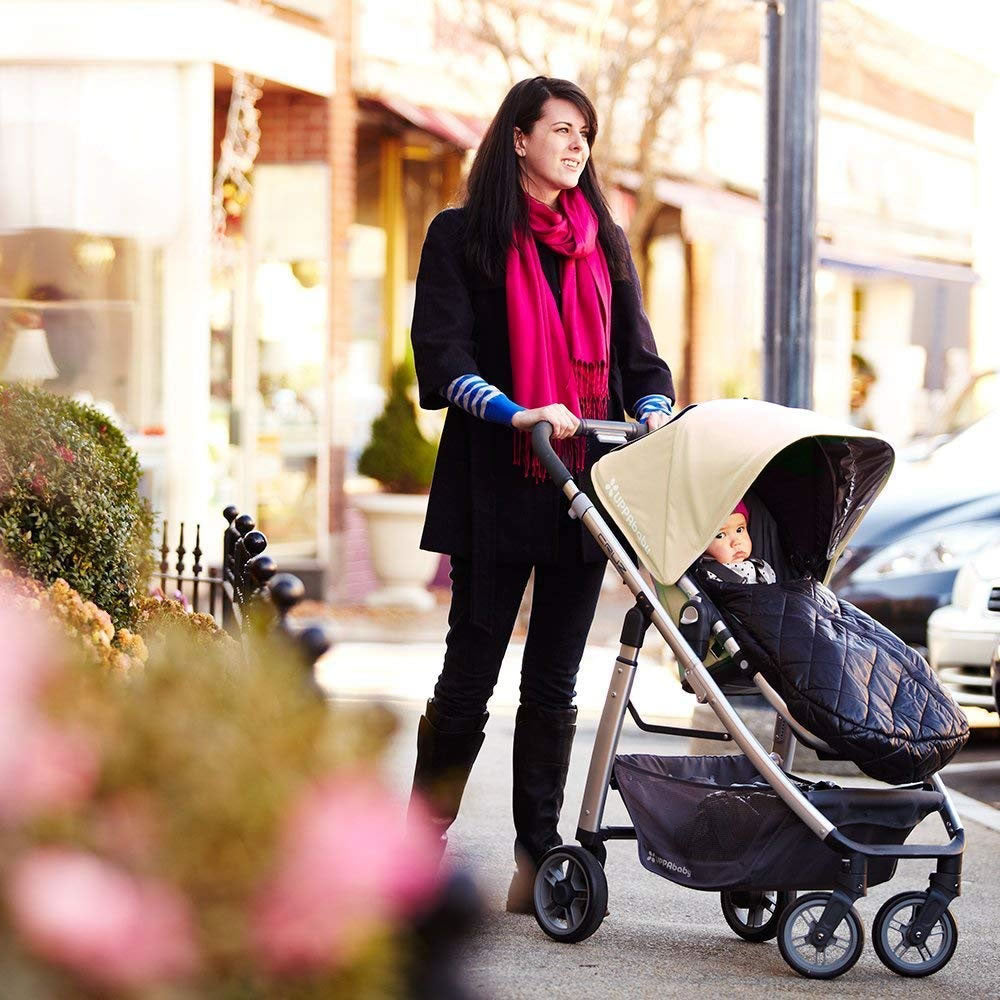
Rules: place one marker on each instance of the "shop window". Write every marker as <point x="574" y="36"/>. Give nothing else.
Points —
<point x="80" y="316"/>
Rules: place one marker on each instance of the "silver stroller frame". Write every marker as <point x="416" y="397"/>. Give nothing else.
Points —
<point x="567" y="880"/>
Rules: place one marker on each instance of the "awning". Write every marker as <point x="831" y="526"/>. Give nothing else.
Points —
<point x="905" y="267"/>
<point x="171" y="32"/>
<point x="463" y="131"/>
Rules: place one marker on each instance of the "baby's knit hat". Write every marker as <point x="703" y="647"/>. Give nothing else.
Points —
<point x="741" y="508"/>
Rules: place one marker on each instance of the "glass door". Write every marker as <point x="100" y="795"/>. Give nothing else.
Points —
<point x="284" y="405"/>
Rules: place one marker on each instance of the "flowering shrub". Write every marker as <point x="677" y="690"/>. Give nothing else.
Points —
<point x="69" y="501"/>
<point x="82" y="622"/>
<point x="192" y="830"/>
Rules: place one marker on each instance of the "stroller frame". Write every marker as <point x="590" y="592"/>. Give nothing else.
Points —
<point x="592" y="834"/>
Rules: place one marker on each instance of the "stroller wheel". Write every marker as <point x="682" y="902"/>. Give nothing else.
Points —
<point x="755" y="915"/>
<point x="571" y="894"/>
<point x="890" y="937"/>
<point x="834" y="958"/>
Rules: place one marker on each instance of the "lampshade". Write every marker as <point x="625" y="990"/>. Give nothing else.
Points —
<point x="29" y="359"/>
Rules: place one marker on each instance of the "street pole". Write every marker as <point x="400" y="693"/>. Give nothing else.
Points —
<point x="791" y="202"/>
<point x="773" y="340"/>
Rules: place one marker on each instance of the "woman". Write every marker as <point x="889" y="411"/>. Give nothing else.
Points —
<point x="527" y="308"/>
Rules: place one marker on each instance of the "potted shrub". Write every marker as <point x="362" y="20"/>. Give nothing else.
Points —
<point x="401" y="460"/>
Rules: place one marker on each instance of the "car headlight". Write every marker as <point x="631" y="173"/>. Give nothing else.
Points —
<point x="924" y="552"/>
<point x="973" y="580"/>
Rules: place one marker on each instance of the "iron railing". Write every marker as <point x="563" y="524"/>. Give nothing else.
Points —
<point x="248" y="577"/>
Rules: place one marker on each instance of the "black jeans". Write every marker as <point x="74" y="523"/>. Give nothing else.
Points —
<point x="562" y="610"/>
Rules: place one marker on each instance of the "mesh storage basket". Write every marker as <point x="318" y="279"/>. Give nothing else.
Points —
<point x="714" y="823"/>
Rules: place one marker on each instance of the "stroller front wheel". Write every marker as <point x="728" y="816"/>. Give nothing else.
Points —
<point x="831" y="959"/>
<point x="571" y="894"/>
<point x="890" y="935"/>
<point x="754" y="915"/>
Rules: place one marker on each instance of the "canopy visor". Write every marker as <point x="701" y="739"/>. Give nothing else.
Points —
<point x="669" y="492"/>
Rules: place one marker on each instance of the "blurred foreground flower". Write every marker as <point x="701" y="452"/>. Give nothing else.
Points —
<point x="95" y="919"/>
<point x="42" y="766"/>
<point x="347" y="861"/>
<point x="200" y="825"/>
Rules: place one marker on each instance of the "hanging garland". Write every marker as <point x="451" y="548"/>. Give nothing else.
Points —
<point x="238" y="150"/>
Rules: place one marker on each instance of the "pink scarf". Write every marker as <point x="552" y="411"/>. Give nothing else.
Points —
<point x="559" y="358"/>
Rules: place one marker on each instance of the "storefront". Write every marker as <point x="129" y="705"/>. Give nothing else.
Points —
<point x="106" y="235"/>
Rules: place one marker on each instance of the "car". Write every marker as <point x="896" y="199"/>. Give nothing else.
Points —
<point x="979" y="396"/>
<point x="933" y="515"/>
<point x="995" y="676"/>
<point x="963" y="636"/>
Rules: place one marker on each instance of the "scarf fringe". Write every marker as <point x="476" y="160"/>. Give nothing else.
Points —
<point x="591" y="379"/>
<point x="592" y="391"/>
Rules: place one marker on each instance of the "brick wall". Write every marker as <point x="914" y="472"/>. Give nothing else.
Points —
<point x="294" y="127"/>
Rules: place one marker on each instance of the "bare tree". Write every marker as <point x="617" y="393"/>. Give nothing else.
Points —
<point x="633" y="57"/>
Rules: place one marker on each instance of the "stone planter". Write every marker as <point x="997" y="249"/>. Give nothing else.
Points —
<point x="395" y="522"/>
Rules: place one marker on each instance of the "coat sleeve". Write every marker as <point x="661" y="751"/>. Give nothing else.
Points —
<point x="643" y="371"/>
<point x="443" y="320"/>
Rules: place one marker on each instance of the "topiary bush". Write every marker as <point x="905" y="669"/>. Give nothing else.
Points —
<point x="398" y="455"/>
<point x="69" y="500"/>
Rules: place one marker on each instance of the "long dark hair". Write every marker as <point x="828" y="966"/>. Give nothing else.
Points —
<point x="495" y="204"/>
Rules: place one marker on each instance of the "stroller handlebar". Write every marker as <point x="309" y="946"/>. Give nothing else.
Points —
<point x="606" y="431"/>
<point x="611" y="431"/>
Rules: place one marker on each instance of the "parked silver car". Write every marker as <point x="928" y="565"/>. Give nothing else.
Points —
<point x="962" y="637"/>
<point x="995" y="675"/>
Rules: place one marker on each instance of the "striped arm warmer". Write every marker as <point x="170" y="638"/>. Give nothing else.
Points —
<point x="476" y="396"/>
<point x="654" y="403"/>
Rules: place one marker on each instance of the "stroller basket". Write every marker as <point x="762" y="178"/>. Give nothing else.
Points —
<point x="714" y="823"/>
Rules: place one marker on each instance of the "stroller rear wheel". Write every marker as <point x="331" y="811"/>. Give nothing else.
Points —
<point x="754" y="915"/>
<point x="892" y="945"/>
<point x="571" y="894"/>
<point x="807" y="958"/>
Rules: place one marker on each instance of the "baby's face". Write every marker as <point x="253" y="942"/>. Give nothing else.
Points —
<point x="732" y="543"/>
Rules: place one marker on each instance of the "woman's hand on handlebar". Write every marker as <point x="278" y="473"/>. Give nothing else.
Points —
<point x="656" y="419"/>
<point x="564" y="421"/>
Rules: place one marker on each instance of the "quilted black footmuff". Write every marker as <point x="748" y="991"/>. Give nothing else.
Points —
<point x="845" y="677"/>
<point x="714" y="823"/>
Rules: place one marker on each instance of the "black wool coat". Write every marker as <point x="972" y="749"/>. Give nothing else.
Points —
<point x="481" y="504"/>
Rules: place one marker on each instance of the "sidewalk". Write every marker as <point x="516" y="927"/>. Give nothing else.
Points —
<point x="661" y="940"/>
<point x="397" y="654"/>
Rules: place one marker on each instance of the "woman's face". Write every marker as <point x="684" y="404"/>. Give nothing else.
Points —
<point x="553" y="154"/>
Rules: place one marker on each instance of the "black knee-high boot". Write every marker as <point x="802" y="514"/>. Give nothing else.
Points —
<point x="447" y="747"/>
<point x="543" y="740"/>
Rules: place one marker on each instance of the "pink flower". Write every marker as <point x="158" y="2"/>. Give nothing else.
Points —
<point x="95" y="919"/>
<point x="41" y="766"/>
<point x="348" y="860"/>
<point x="65" y="453"/>
<point x="58" y="770"/>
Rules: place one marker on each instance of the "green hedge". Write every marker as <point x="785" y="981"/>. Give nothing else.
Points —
<point x="69" y="500"/>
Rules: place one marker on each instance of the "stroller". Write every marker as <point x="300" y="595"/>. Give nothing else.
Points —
<point x="744" y="825"/>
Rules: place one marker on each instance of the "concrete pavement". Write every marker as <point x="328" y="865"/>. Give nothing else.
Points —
<point x="660" y="940"/>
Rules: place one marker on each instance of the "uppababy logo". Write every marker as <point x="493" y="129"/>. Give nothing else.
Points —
<point x="669" y="865"/>
<point x="614" y="495"/>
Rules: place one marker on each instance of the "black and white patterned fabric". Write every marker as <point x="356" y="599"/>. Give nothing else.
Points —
<point x="752" y="570"/>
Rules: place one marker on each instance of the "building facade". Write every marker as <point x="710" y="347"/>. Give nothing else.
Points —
<point x="248" y="369"/>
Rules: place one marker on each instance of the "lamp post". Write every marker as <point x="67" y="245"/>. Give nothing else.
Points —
<point x="790" y="197"/>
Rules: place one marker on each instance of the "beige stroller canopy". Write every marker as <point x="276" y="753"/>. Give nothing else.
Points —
<point x="670" y="492"/>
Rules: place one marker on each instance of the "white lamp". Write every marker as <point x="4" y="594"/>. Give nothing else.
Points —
<point x="29" y="359"/>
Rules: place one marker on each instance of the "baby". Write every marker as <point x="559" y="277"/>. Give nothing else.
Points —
<point x="727" y="557"/>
